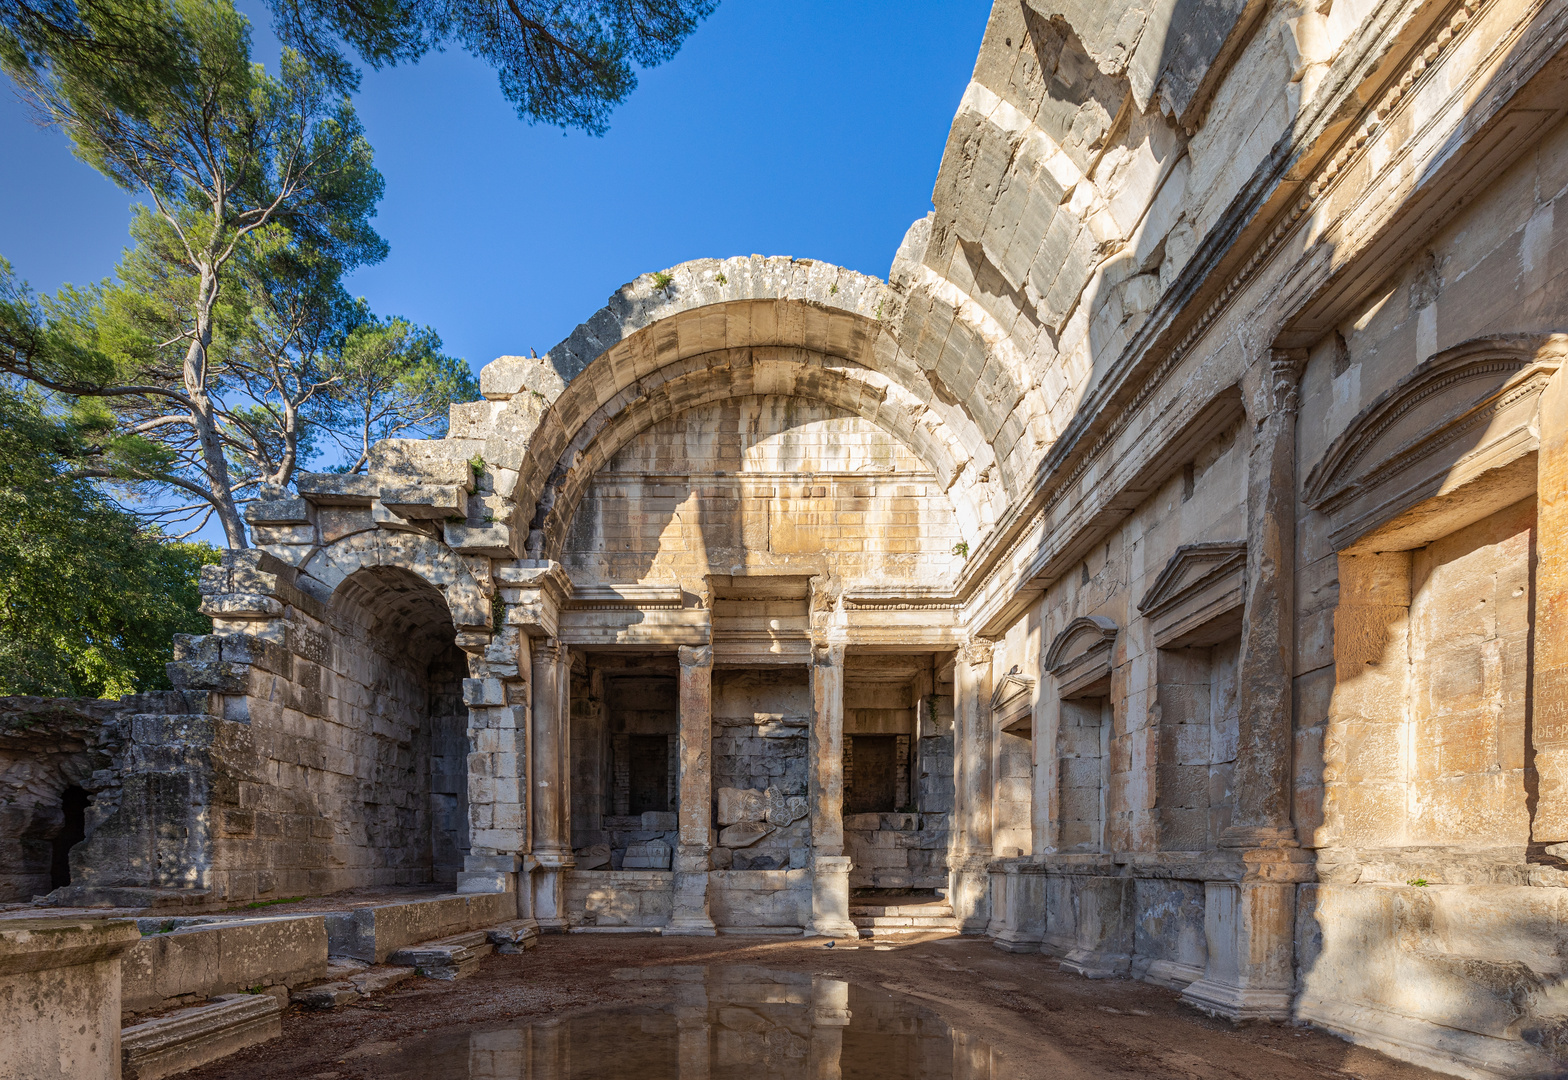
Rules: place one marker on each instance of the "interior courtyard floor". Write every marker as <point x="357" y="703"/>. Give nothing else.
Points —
<point x="1026" y="1018"/>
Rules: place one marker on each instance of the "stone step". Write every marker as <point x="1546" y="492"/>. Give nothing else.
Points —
<point x="513" y="937"/>
<point x="192" y="1037"/>
<point x="454" y="957"/>
<point x="940" y="909"/>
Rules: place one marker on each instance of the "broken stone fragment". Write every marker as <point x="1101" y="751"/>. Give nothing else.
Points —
<point x="596" y="857"/>
<point x="325" y="995"/>
<point x="654" y="855"/>
<point x="514" y="937"/>
<point x="743" y="834"/>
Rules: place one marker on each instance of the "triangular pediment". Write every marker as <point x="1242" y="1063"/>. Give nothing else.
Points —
<point x="1193" y="567"/>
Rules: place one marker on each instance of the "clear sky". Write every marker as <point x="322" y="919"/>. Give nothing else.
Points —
<point x="811" y="128"/>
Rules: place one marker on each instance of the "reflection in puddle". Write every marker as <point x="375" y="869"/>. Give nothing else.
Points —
<point x="721" y="1023"/>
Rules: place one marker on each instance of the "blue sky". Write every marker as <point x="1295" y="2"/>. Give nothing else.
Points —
<point x="806" y="128"/>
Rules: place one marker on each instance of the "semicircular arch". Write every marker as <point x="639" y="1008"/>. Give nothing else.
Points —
<point x="789" y="373"/>
<point x="652" y="334"/>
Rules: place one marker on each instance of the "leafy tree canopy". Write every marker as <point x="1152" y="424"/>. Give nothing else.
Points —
<point x="227" y="353"/>
<point x="89" y="600"/>
<point x="563" y="62"/>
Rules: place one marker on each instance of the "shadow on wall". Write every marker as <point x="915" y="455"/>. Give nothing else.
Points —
<point x="405" y="786"/>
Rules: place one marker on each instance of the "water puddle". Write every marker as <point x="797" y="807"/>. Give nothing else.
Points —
<point x="720" y="1023"/>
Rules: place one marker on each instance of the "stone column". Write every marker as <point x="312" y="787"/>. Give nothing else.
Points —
<point x="969" y="863"/>
<point x="1250" y="970"/>
<point x="552" y="848"/>
<point x="825" y="792"/>
<point x="1549" y="692"/>
<point x="1249" y="925"/>
<point x="1268" y="640"/>
<point x="695" y="800"/>
<point x="829" y="1017"/>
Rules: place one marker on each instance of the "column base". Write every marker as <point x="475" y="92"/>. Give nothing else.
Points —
<point x="830" y="898"/>
<point x="690" y="928"/>
<point x="548" y="887"/>
<point x="1238" y="1004"/>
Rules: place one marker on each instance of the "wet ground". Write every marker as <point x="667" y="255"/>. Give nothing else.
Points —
<point x="590" y="1006"/>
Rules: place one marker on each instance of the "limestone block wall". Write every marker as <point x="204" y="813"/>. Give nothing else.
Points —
<point x="765" y="482"/>
<point x="617" y="898"/>
<point x="330" y="753"/>
<point x="897" y="851"/>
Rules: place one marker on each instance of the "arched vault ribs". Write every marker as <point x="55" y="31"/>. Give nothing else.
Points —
<point x="779" y="372"/>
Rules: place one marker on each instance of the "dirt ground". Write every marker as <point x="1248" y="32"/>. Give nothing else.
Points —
<point x="1039" y="1021"/>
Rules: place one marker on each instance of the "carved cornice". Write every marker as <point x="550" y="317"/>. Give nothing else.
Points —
<point x="1065" y="480"/>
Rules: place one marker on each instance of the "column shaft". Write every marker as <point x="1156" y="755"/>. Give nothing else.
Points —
<point x="695" y="799"/>
<point x="1262" y="812"/>
<point x="1549" y="689"/>
<point x="551" y="812"/>
<point x="968" y="865"/>
<point x="825" y="790"/>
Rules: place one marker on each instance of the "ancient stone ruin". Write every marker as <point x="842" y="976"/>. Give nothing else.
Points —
<point x="1161" y="570"/>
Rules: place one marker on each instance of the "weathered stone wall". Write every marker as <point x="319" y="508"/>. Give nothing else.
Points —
<point x="48" y="746"/>
<point x="763" y="482"/>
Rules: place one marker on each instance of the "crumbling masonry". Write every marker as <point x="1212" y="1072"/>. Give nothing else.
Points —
<point x="1164" y="569"/>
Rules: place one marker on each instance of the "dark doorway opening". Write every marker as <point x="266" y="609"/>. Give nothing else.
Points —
<point x="650" y="774"/>
<point x="873" y="785"/>
<point x="73" y="805"/>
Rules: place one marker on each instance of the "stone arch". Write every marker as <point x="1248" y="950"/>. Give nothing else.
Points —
<point x="661" y="328"/>
<point x="420" y="557"/>
<point x="792" y="373"/>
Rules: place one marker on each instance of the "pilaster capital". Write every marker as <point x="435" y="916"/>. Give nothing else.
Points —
<point x="827" y="655"/>
<point x="695" y="655"/>
<point x="546" y="652"/>
<point x="1285" y="368"/>
<point x="976" y="652"/>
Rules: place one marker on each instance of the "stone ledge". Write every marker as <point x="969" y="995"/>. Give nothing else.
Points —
<point x="44" y="944"/>
<point x="192" y="1037"/>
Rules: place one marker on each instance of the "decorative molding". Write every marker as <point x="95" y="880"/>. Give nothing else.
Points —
<point x="1199" y="596"/>
<point x="1467" y="411"/>
<point x="615" y="597"/>
<point x="1081" y="655"/>
<point x="1005" y="553"/>
<point x="1012" y="704"/>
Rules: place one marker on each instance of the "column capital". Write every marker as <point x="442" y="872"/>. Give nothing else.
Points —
<point x="695" y="655"/>
<point x="976" y="652"/>
<point x="546" y="651"/>
<point x="1285" y="369"/>
<point x="827" y="655"/>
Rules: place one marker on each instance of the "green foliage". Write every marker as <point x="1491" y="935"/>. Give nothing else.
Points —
<point x="1419" y="882"/>
<point x="391" y="380"/>
<point x="226" y="354"/>
<point x="89" y="601"/>
<point x="563" y="62"/>
<point x="833" y="289"/>
<point x="961" y="549"/>
<point x="662" y="280"/>
<point x="720" y="278"/>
